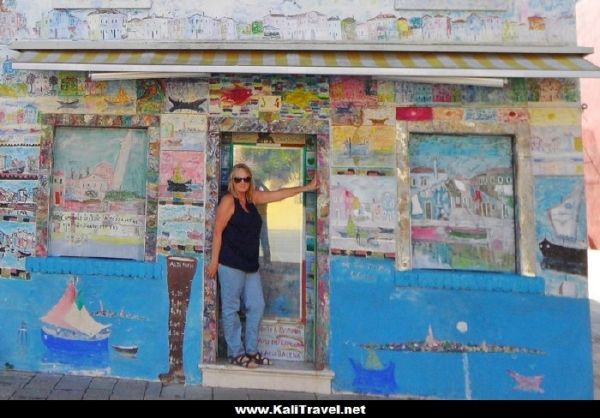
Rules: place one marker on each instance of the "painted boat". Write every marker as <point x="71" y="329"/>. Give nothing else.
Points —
<point x="466" y="232"/>
<point x="570" y="255"/>
<point x="68" y="326"/>
<point x="425" y="233"/>
<point x="129" y="350"/>
<point x="177" y="183"/>
<point x="121" y="99"/>
<point x="373" y="377"/>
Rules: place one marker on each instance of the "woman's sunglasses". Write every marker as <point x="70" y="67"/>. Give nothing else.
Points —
<point x="244" y="179"/>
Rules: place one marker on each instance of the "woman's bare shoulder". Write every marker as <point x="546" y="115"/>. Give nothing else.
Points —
<point x="226" y="200"/>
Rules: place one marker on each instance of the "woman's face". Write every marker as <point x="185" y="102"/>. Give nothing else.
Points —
<point x="241" y="180"/>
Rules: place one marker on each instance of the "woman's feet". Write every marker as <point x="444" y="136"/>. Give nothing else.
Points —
<point x="260" y="359"/>
<point x="243" y="360"/>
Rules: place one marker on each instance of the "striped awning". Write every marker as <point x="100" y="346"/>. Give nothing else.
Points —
<point x="377" y="63"/>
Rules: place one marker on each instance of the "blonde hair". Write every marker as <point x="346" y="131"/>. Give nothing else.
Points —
<point x="231" y="189"/>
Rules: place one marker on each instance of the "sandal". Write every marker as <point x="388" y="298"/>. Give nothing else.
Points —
<point x="243" y="361"/>
<point x="260" y="359"/>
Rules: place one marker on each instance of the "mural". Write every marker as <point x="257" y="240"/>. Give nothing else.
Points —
<point x="150" y="96"/>
<point x="181" y="175"/>
<point x="185" y="96"/>
<point x="98" y="193"/>
<point x="19" y="162"/>
<point x="364" y="146"/>
<point x="180" y="228"/>
<point x="17" y="241"/>
<point x="492" y="21"/>
<point x="446" y="346"/>
<point x="180" y="273"/>
<point x="109" y="332"/>
<point x="183" y="132"/>
<point x="560" y="231"/>
<point x="69" y="328"/>
<point x="239" y="95"/>
<point x="557" y="150"/>
<point x="363" y="213"/>
<point x="462" y="202"/>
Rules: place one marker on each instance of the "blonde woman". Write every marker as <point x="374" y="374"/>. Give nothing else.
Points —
<point x="235" y="252"/>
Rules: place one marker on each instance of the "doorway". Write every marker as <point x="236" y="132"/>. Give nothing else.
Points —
<point x="287" y="257"/>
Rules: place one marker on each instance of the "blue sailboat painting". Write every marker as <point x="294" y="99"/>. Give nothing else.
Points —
<point x="69" y="327"/>
<point x="373" y="377"/>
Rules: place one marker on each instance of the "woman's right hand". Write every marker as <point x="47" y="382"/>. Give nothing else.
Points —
<point x="211" y="272"/>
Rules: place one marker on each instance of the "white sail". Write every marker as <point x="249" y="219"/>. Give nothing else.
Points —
<point x="416" y="205"/>
<point x="565" y="216"/>
<point x="82" y="321"/>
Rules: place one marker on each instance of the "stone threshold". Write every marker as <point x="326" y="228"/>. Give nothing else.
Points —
<point x="282" y="375"/>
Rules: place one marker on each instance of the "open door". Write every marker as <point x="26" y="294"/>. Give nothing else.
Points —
<point x="287" y="244"/>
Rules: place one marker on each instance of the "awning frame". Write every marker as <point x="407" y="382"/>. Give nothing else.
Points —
<point x="388" y="60"/>
<point x="66" y="45"/>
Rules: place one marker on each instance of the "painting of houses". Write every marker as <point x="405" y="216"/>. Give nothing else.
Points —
<point x="17" y="241"/>
<point x="98" y="193"/>
<point x="19" y="162"/>
<point x="462" y="202"/>
<point x="180" y="228"/>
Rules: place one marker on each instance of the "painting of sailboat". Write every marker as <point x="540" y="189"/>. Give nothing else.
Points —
<point x="373" y="377"/>
<point x="177" y="183"/>
<point x="563" y="251"/>
<point x="181" y="175"/>
<point x="68" y="326"/>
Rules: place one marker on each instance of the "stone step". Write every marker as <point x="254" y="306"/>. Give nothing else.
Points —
<point x="282" y="375"/>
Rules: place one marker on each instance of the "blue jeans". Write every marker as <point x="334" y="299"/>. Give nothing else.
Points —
<point x="238" y="286"/>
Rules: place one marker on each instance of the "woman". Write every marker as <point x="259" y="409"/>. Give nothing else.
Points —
<point x="235" y="252"/>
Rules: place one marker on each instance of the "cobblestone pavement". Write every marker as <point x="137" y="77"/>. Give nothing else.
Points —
<point x="27" y="385"/>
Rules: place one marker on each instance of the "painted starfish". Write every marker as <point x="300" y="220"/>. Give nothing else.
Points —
<point x="527" y="383"/>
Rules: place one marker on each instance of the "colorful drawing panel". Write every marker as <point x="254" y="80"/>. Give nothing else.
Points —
<point x="183" y="132"/>
<point x="180" y="229"/>
<point x="462" y="202"/>
<point x="561" y="237"/>
<point x="364" y="146"/>
<point x="98" y="202"/>
<point x="17" y="241"/>
<point x="363" y="213"/>
<point x="181" y="175"/>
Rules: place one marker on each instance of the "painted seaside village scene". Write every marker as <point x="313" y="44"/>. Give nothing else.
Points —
<point x="98" y="193"/>
<point x="462" y="208"/>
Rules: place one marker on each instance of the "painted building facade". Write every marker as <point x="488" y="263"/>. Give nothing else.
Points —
<point x="443" y="256"/>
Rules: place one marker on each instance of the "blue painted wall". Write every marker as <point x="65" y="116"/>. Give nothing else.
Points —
<point x="138" y="313"/>
<point x="542" y="343"/>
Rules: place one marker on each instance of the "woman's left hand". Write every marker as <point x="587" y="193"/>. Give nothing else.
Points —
<point x="315" y="183"/>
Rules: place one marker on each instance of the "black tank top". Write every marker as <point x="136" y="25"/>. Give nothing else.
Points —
<point x="241" y="238"/>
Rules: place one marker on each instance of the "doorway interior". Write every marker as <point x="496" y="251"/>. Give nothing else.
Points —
<point x="287" y="247"/>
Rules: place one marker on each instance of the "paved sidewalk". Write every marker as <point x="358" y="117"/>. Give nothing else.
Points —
<point x="31" y="386"/>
